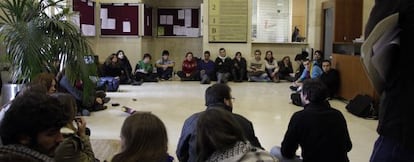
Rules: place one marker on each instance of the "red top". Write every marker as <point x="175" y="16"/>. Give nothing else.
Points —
<point x="189" y="66"/>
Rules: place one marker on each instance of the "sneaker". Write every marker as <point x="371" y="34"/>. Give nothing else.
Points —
<point x="106" y="99"/>
<point x="99" y="107"/>
<point x="136" y="83"/>
<point x="85" y="112"/>
<point x="100" y="94"/>
<point x="293" y="88"/>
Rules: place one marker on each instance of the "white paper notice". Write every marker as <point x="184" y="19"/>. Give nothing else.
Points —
<point x="90" y="3"/>
<point x="180" y="14"/>
<point x="169" y="20"/>
<point x="111" y="24"/>
<point x="187" y="19"/>
<point x="163" y="19"/>
<point x="88" y="30"/>
<point x="126" y="26"/>
<point x="104" y="13"/>
<point x="178" y="30"/>
<point x="76" y="19"/>
<point x="192" y="32"/>
<point x="104" y="24"/>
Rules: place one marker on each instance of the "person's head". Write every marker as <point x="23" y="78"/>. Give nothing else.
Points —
<point x="112" y="59"/>
<point x="313" y="91"/>
<point x="219" y="94"/>
<point x="34" y="120"/>
<point x="299" y="58"/>
<point x="46" y="79"/>
<point x="318" y="55"/>
<point x="165" y="54"/>
<point x="146" y="58"/>
<point x="306" y="63"/>
<point x="286" y="60"/>
<point x="68" y="104"/>
<point x="120" y="54"/>
<point x="222" y="52"/>
<point x="217" y="129"/>
<point x="326" y="65"/>
<point x="257" y="54"/>
<point x="269" y="56"/>
<point x="189" y="56"/>
<point x="143" y="138"/>
<point x="206" y="55"/>
<point x="238" y="55"/>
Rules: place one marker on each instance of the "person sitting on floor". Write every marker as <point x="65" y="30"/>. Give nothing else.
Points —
<point x="189" y="69"/>
<point x="330" y="77"/>
<point x="144" y="70"/>
<point x="112" y="68"/>
<point x="272" y="68"/>
<point x="125" y="65"/>
<point x="239" y="67"/>
<point x="319" y="129"/>
<point x="165" y="66"/>
<point x="30" y="129"/>
<point x="311" y="71"/>
<point x="223" y="66"/>
<point x="256" y="71"/>
<point x="286" y="69"/>
<point x="143" y="138"/>
<point x="206" y="68"/>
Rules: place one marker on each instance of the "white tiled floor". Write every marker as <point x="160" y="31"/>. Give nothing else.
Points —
<point x="265" y="104"/>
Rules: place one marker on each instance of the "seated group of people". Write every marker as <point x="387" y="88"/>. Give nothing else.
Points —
<point x="222" y="69"/>
<point x="31" y="131"/>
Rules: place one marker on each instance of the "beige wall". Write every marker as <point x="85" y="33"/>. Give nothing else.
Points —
<point x="135" y="47"/>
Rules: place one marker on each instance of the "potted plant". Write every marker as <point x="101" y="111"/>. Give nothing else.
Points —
<point x="35" y="41"/>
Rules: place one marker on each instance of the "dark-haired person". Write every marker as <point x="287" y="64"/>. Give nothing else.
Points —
<point x="299" y="60"/>
<point x="223" y="66"/>
<point x="318" y="58"/>
<point x="220" y="139"/>
<point x="286" y="69"/>
<point x="239" y="67"/>
<point x="76" y="145"/>
<point x="311" y="71"/>
<point x="31" y="127"/>
<point x="319" y="129"/>
<point x="256" y="70"/>
<point x="144" y="70"/>
<point x="143" y="138"/>
<point x="272" y="68"/>
<point x="206" y="68"/>
<point x="125" y="65"/>
<point x="112" y="68"/>
<point x="46" y="79"/>
<point x="330" y="77"/>
<point x="217" y="96"/>
<point x="165" y="66"/>
<point x="189" y="69"/>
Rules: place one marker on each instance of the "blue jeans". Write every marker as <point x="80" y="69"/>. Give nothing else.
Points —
<point x="388" y="150"/>
<point x="275" y="151"/>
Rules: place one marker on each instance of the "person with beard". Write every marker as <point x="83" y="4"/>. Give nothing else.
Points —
<point x="217" y="96"/>
<point x="31" y="127"/>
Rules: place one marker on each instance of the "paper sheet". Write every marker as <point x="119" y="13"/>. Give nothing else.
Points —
<point x="187" y="19"/>
<point x="111" y="24"/>
<point x="88" y="30"/>
<point x="181" y="14"/>
<point x="90" y="3"/>
<point x="160" y="31"/>
<point x="170" y="20"/>
<point x="76" y="19"/>
<point x="104" y="13"/>
<point x="163" y="19"/>
<point x="178" y="30"/>
<point x="192" y="32"/>
<point x="126" y="27"/>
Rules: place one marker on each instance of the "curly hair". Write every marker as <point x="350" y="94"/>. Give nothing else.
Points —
<point x="30" y="114"/>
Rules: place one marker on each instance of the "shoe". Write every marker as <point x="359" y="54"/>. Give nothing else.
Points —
<point x="99" y="107"/>
<point x="100" y="94"/>
<point x="293" y="88"/>
<point x="136" y="83"/>
<point x="85" y="112"/>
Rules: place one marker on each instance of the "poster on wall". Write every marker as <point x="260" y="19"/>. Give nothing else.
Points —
<point x="228" y="21"/>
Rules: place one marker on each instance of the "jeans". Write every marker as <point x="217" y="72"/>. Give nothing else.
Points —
<point x="388" y="150"/>
<point x="223" y="77"/>
<point x="275" y="151"/>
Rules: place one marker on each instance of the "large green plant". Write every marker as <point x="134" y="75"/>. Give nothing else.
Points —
<point x="35" y="41"/>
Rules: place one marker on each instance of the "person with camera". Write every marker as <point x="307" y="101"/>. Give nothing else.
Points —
<point x="76" y="145"/>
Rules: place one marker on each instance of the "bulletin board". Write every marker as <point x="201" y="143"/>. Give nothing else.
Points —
<point x="84" y="16"/>
<point x="119" y="19"/>
<point x="183" y="22"/>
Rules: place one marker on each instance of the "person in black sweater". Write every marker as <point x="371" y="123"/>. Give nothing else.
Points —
<point x="330" y="77"/>
<point x="223" y="66"/>
<point x="286" y="69"/>
<point x="319" y="129"/>
<point x="239" y="67"/>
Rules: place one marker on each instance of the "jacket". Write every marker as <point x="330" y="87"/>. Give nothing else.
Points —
<point x="74" y="148"/>
<point x="223" y="66"/>
<point x="186" y="148"/>
<point x="17" y="152"/>
<point x="320" y="131"/>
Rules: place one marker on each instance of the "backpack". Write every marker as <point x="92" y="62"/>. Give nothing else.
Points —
<point x="258" y="155"/>
<point x="362" y="106"/>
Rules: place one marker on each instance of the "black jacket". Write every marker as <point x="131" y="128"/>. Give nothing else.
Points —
<point x="320" y="131"/>
<point x="223" y="67"/>
<point x="186" y="148"/>
<point x="331" y="80"/>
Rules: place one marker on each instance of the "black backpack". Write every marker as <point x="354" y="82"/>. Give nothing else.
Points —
<point x="362" y="106"/>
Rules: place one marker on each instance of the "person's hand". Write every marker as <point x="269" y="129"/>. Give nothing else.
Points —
<point x="187" y="74"/>
<point x="98" y="100"/>
<point x="81" y="123"/>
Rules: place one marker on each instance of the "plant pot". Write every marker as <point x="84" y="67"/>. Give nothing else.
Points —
<point x="9" y="91"/>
